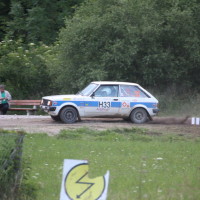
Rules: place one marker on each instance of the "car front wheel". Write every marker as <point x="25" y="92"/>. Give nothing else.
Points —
<point x="68" y="115"/>
<point x="138" y="116"/>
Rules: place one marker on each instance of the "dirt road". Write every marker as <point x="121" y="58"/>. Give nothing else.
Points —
<point x="44" y="124"/>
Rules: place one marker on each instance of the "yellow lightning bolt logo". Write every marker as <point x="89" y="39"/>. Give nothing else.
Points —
<point x="78" y="186"/>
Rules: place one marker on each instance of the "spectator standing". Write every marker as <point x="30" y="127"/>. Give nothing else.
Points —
<point x="5" y="97"/>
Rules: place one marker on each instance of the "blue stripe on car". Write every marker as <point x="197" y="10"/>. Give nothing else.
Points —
<point x="116" y="104"/>
<point x="96" y="104"/>
<point x="148" y="105"/>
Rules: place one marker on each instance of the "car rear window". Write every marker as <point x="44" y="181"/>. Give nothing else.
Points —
<point x="132" y="91"/>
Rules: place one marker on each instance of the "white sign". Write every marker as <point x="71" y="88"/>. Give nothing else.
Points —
<point x="76" y="184"/>
<point x="195" y="121"/>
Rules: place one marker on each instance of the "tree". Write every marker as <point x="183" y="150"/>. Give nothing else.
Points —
<point x="4" y="17"/>
<point x="38" y="21"/>
<point x="138" y="41"/>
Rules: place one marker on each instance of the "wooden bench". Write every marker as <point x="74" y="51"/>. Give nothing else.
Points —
<point x="26" y="103"/>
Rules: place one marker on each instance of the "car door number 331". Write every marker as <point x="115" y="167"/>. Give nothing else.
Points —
<point x="104" y="104"/>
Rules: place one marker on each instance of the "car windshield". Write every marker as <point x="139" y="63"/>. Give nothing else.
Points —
<point x="88" y="90"/>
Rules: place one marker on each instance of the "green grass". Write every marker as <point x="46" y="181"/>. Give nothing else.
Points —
<point x="141" y="166"/>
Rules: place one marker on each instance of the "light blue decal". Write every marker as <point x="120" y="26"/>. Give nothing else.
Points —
<point x="148" y="105"/>
<point x="80" y="103"/>
<point x="116" y="104"/>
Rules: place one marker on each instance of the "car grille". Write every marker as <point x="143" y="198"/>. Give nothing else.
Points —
<point x="45" y="101"/>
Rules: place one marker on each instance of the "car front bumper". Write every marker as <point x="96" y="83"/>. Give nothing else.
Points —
<point x="48" y="108"/>
<point x="155" y="110"/>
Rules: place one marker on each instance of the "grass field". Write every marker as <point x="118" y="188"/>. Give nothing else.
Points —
<point x="142" y="166"/>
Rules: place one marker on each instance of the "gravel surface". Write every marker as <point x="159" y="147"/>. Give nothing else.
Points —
<point x="44" y="124"/>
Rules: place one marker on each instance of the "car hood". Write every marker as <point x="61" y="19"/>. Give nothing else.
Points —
<point x="61" y="97"/>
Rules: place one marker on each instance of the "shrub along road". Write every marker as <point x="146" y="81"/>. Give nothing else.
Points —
<point x="44" y="124"/>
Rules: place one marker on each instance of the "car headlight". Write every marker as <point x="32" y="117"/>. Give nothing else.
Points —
<point x="49" y="103"/>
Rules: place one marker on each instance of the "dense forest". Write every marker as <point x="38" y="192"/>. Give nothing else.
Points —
<point x="59" y="46"/>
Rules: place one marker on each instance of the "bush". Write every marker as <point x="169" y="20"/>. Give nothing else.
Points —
<point x="24" y="70"/>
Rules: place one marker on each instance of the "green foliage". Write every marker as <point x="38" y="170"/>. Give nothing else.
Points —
<point x="28" y="189"/>
<point x="24" y="70"/>
<point x="4" y="17"/>
<point x="38" y="21"/>
<point x="7" y="175"/>
<point x="137" y="41"/>
<point x="10" y="164"/>
<point x="15" y="181"/>
<point x="151" y="42"/>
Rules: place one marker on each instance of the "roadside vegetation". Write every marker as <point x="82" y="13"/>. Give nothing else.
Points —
<point x="142" y="165"/>
<point x="14" y="173"/>
<point x="172" y="102"/>
<point x="151" y="42"/>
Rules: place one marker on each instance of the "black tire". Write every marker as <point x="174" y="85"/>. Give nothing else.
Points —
<point x="56" y="118"/>
<point x="138" y="116"/>
<point x="68" y="115"/>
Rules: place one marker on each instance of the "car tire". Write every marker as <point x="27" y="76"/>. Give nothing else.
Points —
<point x="68" y="115"/>
<point x="56" y="118"/>
<point x="138" y="116"/>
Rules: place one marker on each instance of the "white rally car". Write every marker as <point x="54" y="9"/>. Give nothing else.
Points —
<point x="103" y="99"/>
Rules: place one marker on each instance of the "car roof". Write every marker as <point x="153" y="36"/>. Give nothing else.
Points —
<point x="114" y="82"/>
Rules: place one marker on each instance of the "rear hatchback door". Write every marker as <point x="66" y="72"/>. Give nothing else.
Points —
<point x="132" y="96"/>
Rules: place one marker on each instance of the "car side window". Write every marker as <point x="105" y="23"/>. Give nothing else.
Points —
<point x="107" y="91"/>
<point x="132" y="91"/>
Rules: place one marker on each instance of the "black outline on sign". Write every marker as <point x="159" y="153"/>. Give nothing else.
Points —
<point x="87" y="183"/>
<point x="88" y="170"/>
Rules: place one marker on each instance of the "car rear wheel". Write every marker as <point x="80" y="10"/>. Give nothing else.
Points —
<point x="138" y="116"/>
<point x="55" y="118"/>
<point x="68" y="115"/>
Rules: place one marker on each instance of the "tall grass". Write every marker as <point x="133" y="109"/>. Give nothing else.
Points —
<point x="10" y="164"/>
<point x="13" y="169"/>
<point x="178" y="102"/>
<point x="142" y="166"/>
